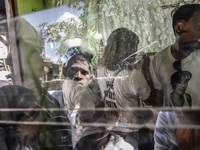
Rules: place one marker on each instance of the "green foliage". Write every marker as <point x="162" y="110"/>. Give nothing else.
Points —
<point x="57" y="33"/>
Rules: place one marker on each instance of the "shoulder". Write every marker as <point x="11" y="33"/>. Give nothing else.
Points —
<point x="197" y="53"/>
<point x="162" y="53"/>
<point x="137" y="78"/>
<point x="166" y="117"/>
<point x="100" y="70"/>
<point x="162" y="60"/>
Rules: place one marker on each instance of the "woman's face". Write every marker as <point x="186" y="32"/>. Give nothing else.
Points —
<point x="180" y="87"/>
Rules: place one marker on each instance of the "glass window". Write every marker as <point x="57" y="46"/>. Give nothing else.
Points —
<point x="94" y="73"/>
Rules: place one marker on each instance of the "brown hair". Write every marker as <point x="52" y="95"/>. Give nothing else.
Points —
<point x="188" y="137"/>
<point x="120" y="44"/>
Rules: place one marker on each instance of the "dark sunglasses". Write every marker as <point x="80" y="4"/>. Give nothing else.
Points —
<point x="72" y="71"/>
<point x="177" y="65"/>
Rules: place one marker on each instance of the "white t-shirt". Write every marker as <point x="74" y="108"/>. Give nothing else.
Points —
<point x="128" y="90"/>
<point x="77" y="97"/>
<point x="162" y="70"/>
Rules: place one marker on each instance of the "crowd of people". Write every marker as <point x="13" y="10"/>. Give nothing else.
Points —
<point x="133" y="103"/>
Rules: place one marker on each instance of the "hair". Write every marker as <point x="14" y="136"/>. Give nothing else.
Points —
<point x="188" y="138"/>
<point x="176" y="77"/>
<point x="120" y="44"/>
<point x="184" y="12"/>
<point x="80" y="57"/>
<point x="13" y="97"/>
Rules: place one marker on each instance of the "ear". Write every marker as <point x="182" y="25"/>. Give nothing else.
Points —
<point x="179" y="28"/>
<point x="91" y="78"/>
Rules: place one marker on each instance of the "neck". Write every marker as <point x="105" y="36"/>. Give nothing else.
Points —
<point x="177" y="99"/>
<point x="178" y="53"/>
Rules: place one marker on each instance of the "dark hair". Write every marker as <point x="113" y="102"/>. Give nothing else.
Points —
<point x="120" y="44"/>
<point x="184" y="12"/>
<point x="75" y="59"/>
<point x="176" y="77"/>
<point x="13" y="97"/>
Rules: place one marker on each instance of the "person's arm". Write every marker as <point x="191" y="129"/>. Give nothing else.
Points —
<point x="88" y="102"/>
<point x="165" y="131"/>
<point x="85" y="104"/>
<point x="156" y="96"/>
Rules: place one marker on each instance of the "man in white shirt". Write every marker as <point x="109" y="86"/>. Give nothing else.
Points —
<point x="183" y="55"/>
